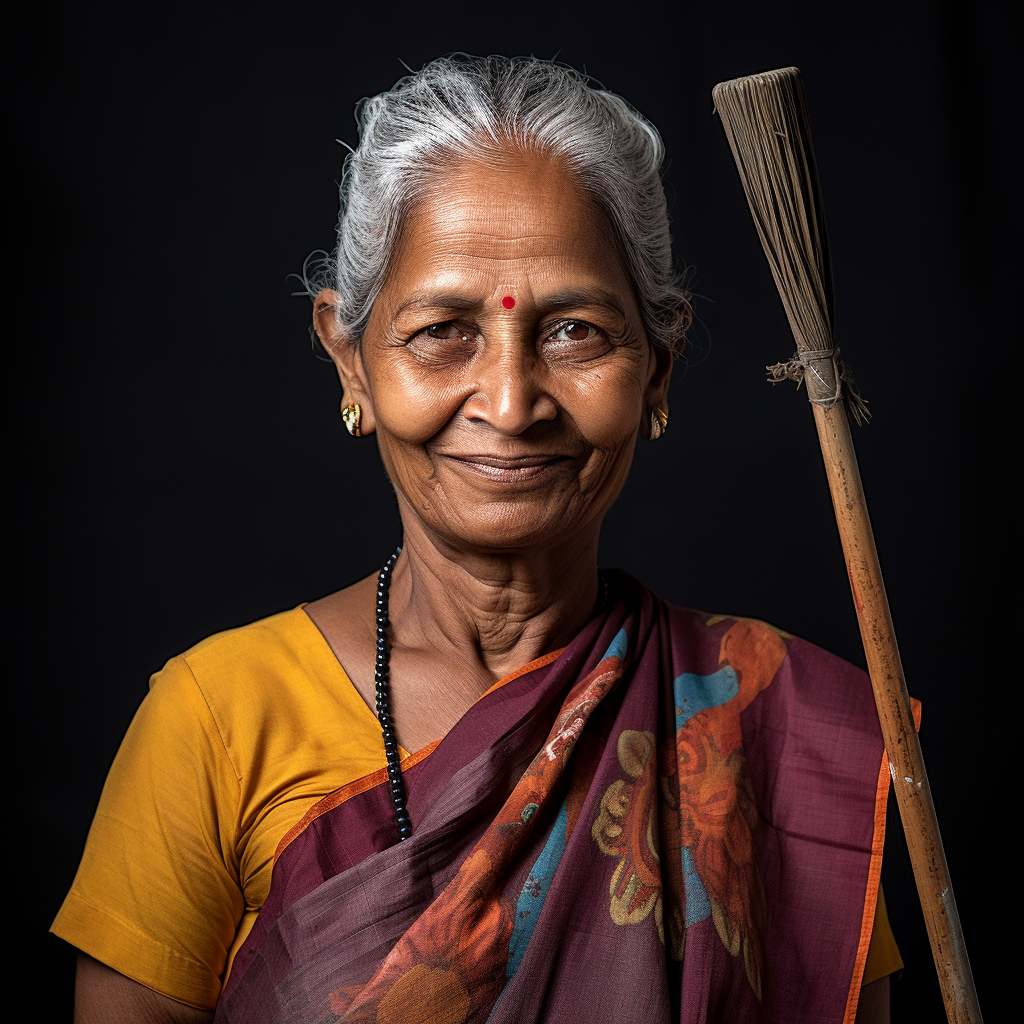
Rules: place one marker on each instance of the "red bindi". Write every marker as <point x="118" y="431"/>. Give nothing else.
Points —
<point x="508" y="302"/>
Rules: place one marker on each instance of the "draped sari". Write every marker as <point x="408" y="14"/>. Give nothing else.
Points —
<point x="678" y="817"/>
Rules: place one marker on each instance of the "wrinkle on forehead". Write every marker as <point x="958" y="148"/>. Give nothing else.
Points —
<point x="524" y="216"/>
<point x="507" y="197"/>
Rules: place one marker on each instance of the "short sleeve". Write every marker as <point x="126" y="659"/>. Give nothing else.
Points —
<point x="157" y="895"/>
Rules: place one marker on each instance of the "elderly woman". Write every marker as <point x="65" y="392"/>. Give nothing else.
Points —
<point x="491" y="782"/>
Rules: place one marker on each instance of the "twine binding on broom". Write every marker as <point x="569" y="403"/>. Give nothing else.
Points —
<point x="828" y="380"/>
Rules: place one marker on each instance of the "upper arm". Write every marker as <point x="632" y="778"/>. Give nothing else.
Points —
<point x="103" y="996"/>
<point x="157" y="896"/>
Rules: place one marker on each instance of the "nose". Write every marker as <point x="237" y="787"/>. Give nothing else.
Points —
<point x="509" y="393"/>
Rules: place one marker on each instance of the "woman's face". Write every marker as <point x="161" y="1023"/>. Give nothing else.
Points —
<point x="504" y="368"/>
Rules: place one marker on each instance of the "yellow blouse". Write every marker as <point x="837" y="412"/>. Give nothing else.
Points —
<point x="236" y="740"/>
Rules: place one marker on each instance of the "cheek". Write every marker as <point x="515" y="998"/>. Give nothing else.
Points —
<point x="410" y="407"/>
<point x="607" y="412"/>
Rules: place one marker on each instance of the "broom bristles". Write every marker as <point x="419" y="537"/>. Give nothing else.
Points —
<point x="766" y="123"/>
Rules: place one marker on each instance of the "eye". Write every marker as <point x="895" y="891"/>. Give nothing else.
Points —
<point x="444" y="341"/>
<point x="447" y="331"/>
<point x="576" y="340"/>
<point x="574" y="330"/>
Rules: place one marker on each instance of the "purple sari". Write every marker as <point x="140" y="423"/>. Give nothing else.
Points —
<point x="676" y="818"/>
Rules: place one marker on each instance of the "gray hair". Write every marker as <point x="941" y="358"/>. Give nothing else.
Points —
<point x="477" y="106"/>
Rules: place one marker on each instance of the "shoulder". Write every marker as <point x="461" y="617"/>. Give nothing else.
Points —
<point x="282" y="643"/>
<point x="768" y="659"/>
<point x="275" y="693"/>
<point x="263" y="660"/>
<point x="817" y="699"/>
<point x="709" y="640"/>
<point x="742" y="636"/>
<point x="263" y="685"/>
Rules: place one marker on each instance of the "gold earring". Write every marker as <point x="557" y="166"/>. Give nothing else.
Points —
<point x="352" y="414"/>
<point x="659" y="423"/>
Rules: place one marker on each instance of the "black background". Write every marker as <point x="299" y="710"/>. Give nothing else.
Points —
<point x="182" y="467"/>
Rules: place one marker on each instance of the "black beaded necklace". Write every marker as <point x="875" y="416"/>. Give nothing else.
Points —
<point x="381" y="686"/>
<point x="383" y="692"/>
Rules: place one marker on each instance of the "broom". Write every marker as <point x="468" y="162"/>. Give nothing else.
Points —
<point x="766" y="124"/>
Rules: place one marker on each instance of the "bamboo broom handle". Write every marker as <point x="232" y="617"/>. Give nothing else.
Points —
<point x="902" y="746"/>
<point x="765" y="121"/>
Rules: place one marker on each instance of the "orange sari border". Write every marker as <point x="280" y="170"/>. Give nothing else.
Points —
<point x="367" y="782"/>
<point x="339" y="796"/>
<point x="530" y="666"/>
<point x="874" y="876"/>
<point x="871" y="894"/>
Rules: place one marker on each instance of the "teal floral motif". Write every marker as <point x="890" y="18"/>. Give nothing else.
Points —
<point x="531" y="899"/>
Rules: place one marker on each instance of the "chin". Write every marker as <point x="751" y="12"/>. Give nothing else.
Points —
<point x="506" y="529"/>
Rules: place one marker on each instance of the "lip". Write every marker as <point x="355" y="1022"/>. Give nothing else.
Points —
<point x="508" y="469"/>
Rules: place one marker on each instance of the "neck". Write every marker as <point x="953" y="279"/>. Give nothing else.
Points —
<point x="496" y="611"/>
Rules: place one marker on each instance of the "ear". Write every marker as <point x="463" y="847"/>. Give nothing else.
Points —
<point x="346" y="356"/>
<point x="656" y="393"/>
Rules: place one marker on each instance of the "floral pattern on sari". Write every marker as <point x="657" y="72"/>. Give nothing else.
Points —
<point x="719" y="817"/>
<point x="451" y="965"/>
<point x="707" y="801"/>
<point x="511" y="923"/>
<point x="626" y="827"/>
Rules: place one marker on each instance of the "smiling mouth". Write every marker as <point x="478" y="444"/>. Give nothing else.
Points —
<point x="509" y="469"/>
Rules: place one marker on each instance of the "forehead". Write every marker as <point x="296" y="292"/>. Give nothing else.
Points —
<point x="519" y="222"/>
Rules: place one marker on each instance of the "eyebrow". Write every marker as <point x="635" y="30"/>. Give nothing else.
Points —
<point x="588" y="297"/>
<point x="568" y="299"/>
<point x="438" y="300"/>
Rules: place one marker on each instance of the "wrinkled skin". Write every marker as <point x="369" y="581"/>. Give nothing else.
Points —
<point x="506" y="429"/>
<point x="445" y="372"/>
